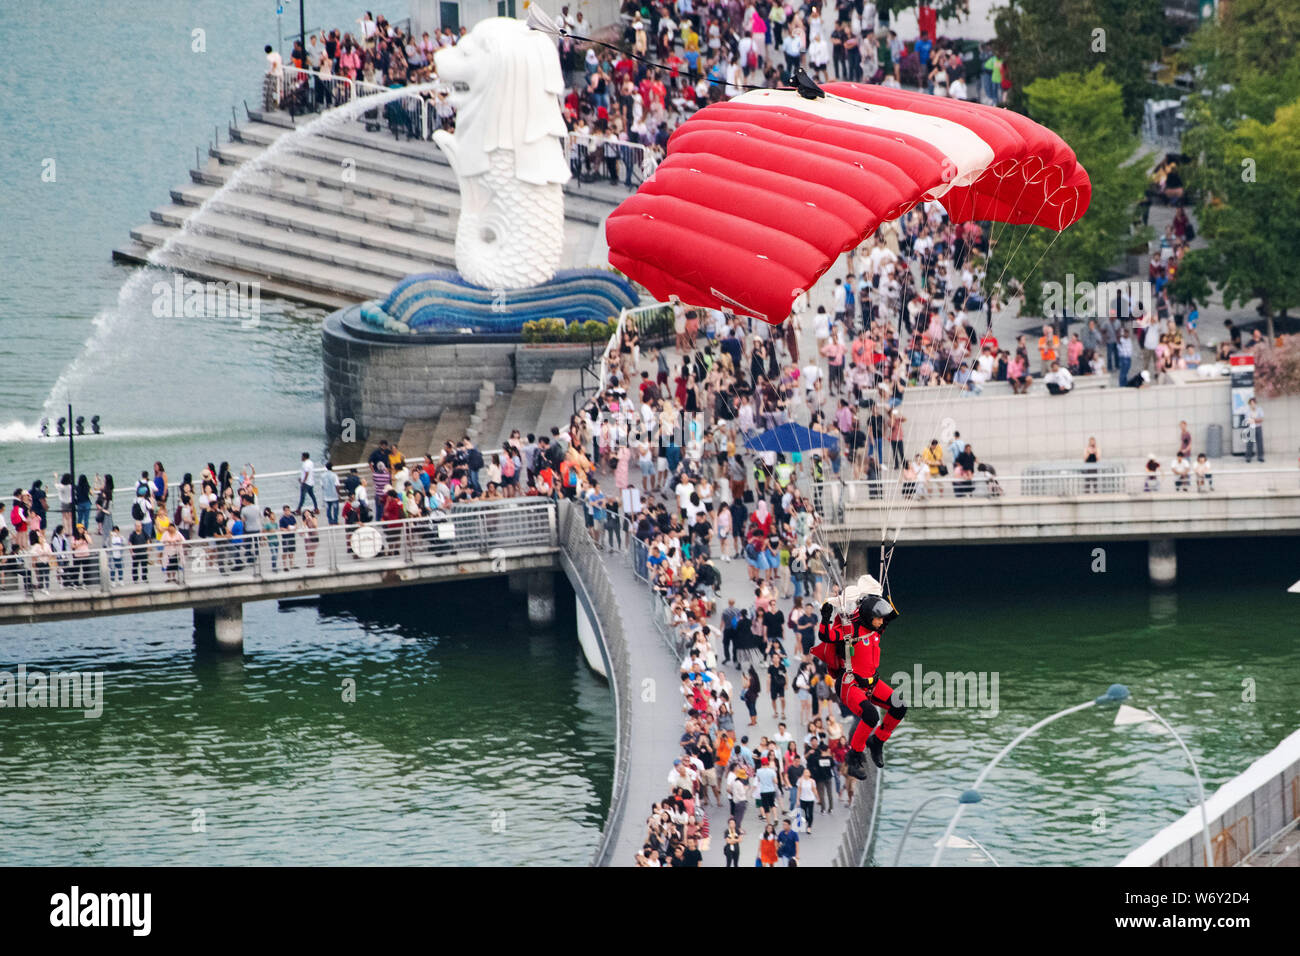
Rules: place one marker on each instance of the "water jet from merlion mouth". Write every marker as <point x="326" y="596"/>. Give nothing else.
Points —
<point x="109" y="323"/>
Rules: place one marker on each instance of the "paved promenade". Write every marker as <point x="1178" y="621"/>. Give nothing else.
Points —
<point x="657" y="722"/>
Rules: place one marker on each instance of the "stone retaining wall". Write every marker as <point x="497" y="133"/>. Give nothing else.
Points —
<point x="380" y="385"/>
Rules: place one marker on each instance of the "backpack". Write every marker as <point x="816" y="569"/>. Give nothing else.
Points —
<point x="137" y="512"/>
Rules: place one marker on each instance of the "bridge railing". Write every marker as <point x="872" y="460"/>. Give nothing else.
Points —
<point x="595" y="591"/>
<point x="472" y="529"/>
<point x="300" y="91"/>
<point x="984" y="486"/>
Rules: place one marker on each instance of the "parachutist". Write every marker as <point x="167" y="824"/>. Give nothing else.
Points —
<point x="807" y="87"/>
<point x="850" y="648"/>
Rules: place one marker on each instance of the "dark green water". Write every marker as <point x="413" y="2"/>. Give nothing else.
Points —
<point x="466" y="744"/>
<point x="1083" y="791"/>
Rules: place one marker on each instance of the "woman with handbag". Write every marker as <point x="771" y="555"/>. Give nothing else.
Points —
<point x="731" y="846"/>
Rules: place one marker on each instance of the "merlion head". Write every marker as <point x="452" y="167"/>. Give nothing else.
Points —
<point x="505" y="83"/>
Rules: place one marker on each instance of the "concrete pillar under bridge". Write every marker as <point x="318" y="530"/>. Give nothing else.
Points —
<point x="541" y="598"/>
<point x="223" y="627"/>
<point x="517" y="582"/>
<point x="1162" y="562"/>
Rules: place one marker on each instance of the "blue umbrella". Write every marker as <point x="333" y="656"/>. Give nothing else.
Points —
<point x="791" y="438"/>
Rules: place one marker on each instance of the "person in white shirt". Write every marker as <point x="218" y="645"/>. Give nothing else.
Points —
<point x="1182" y="469"/>
<point x="307" y="482"/>
<point x="957" y="89"/>
<point x="1058" y="380"/>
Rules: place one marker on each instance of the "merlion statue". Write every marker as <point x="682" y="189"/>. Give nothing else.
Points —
<point x="507" y="152"/>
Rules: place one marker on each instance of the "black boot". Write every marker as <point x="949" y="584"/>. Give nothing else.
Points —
<point x="855" y="765"/>
<point x="876" y="746"/>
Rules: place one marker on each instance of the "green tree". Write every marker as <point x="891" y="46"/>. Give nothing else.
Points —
<point x="1041" y="39"/>
<point x="1247" y="62"/>
<point x="1086" y="110"/>
<point x="1245" y="139"/>
<point x="1250" y="217"/>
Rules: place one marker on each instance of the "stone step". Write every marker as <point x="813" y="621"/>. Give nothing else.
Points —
<point x="137" y="253"/>
<point x="330" y="155"/>
<point x="451" y="427"/>
<point x="559" y="400"/>
<point x="416" y="440"/>
<point x="360" y="255"/>
<point x="198" y="250"/>
<point x="489" y="430"/>
<point x="301" y="169"/>
<point x="523" y="411"/>
<point x="377" y="223"/>
<point x="600" y="192"/>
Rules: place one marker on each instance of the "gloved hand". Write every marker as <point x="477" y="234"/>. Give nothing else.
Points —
<point x="828" y="612"/>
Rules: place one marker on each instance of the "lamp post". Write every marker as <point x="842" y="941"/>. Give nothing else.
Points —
<point x="969" y="796"/>
<point x="1200" y="787"/>
<point x="1114" y="694"/>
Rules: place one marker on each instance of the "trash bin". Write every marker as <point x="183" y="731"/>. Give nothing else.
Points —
<point x="1214" y="441"/>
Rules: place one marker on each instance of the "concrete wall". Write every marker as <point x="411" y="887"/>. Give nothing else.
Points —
<point x="1243" y="815"/>
<point x="598" y="604"/>
<point x="381" y="385"/>
<point x="1168" y="514"/>
<point x="1129" y="423"/>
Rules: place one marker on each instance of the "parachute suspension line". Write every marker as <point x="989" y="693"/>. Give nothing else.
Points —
<point x="948" y="392"/>
<point x="893" y="492"/>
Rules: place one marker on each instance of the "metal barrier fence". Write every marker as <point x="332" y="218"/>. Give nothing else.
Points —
<point x="308" y="91"/>
<point x="468" y="529"/>
<point x="591" y="584"/>
<point x="1043" y="482"/>
<point x="593" y="157"/>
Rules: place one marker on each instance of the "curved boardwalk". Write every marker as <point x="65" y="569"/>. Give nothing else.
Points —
<point x="656" y="728"/>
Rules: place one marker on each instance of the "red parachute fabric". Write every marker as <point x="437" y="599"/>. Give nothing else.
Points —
<point x="759" y="196"/>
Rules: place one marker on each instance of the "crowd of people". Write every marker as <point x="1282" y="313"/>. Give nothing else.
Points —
<point x="625" y="98"/>
<point x="45" y="540"/>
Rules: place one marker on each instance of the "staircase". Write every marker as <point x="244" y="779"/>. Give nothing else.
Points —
<point x="337" y="218"/>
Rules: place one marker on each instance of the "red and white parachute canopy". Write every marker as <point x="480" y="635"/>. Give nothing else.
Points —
<point x="760" y="195"/>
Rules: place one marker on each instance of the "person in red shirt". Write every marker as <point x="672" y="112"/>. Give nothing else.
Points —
<point x="860" y="689"/>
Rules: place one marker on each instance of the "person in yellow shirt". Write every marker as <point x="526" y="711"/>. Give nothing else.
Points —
<point x="691" y="44"/>
<point x="932" y="457"/>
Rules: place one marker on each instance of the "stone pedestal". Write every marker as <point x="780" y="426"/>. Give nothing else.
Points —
<point x="222" y="626"/>
<point x="541" y="599"/>
<point x="1162" y="562"/>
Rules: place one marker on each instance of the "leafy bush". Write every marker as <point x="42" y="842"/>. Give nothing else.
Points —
<point x="544" y="330"/>
<point x="1277" y="370"/>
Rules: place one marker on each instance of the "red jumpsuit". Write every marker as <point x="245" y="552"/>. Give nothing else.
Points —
<point x="862" y="694"/>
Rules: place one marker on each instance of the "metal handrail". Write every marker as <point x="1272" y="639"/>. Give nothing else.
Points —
<point x="883" y="492"/>
<point x="1267" y="845"/>
<point x="594" y="589"/>
<point x="292" y="77"/>
<point x="482" y="528"/>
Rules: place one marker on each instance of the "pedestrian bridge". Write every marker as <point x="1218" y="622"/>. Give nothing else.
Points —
<point x="217" y="576"/>
<point x="1071" y="506"/>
